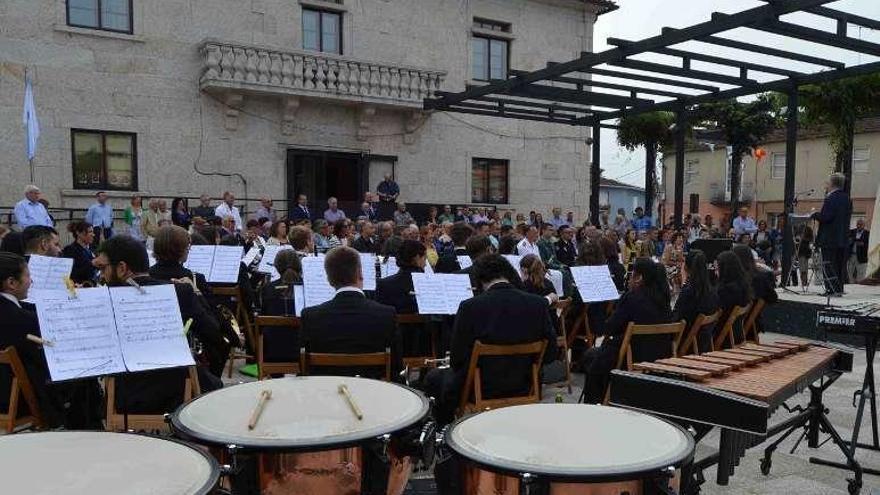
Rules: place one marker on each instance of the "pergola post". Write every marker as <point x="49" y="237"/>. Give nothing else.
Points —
<point x="595" y="173"/>
<point x="679" y="166"/>
<point x="650" y="177"/>
<point x="791" y="136"/>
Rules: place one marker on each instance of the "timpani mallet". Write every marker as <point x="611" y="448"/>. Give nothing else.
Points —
<point x="343" y="389"/>
<point x="265" y="395"/>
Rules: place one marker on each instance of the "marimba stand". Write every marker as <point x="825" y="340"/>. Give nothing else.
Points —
<point x="866" y="393"/>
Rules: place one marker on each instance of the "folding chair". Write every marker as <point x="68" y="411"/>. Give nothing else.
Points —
<point x="406" y="322"/>
<point x="283" y="357"/>
<point x="690" y="344"/>
<point x="750" y="325"/>
<point x="20" y="388"/>
<point x="242" y="318"/>
<point x="337" y="360"/>
<point x="473" y="385"/>
<point x="563" y="306"/>
<point x="117" y="421"/>
<point x="726" y="332"/>
<point x="624" y="357"/>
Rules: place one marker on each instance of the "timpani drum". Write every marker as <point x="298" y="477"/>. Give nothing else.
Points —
<point x="308" y="438"/>
<point x="91" y="463"/>
<point x="568" y="449"/>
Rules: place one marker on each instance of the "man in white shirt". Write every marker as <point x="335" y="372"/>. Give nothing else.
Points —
<point x="333" y="214"/>
<point x="743" y="224"/>
<point x="529" y="244"/>
<point x="228" y="209"/>
<point x="30" y="211"/>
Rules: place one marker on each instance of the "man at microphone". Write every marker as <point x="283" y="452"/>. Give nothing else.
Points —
<point x="832" y="237"/>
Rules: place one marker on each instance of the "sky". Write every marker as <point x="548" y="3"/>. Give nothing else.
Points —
<point x="640" y="19"/>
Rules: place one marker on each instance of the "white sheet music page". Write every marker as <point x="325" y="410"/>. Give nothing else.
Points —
<point x="267" y="262"/>
<point x="388" y="267"/>
<point x="250" y="256"/>
<point x="464" y="261"/>
<point x="227" y="262"/>
<point x="594" y="283"/>
<point x="457" y="287"/>
<point x="48" y="272"/>
<point x="83" y="332"/>
<point x="199" y="259"/>
<point x="556" y="278"/>
<point x="514" y="260"/>
<point x="368" y="270"/>
<point x="150" y="327"/>
<point x="316" y="288"/>
<point x="299" y="300"/>
<point x="430" y="296"/>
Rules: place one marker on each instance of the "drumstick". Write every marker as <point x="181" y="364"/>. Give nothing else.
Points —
<point x="265" y="395"/>
<point x="38" y="340"/>
<point x="343" y="389"/>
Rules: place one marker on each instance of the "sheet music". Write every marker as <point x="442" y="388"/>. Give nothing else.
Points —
<point x="555" y="277"/>
<point x="299" y="300"/>
<point x="152" y="258"/>
<point x="514" y="260"/>
<point x="150" y="327"/>
<point x="316" y="288"/>
<point x="48" y="272"/>
<point x="199" y="259"/>
<point x="428" y="268"/>
<point x="83" y="332"/>
<point x="388" y="267"/>
<point x="464" y="262"/>
<point x="594" y="283"/>
<point x="368" y="270"/>
<point x="440" y="294"/>
<point x="267" y="262"/>
<point x="250" y="256"/>
<point x="226" y="264"/>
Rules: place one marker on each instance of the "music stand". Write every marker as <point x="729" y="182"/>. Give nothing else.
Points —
<point x="712" y="247"/>
<point x="798" y="223"/>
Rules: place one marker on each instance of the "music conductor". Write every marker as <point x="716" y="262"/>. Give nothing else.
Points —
<point x="832" y="237"/>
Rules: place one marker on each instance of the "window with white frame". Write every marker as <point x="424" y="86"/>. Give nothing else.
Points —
<point x="777" y="166"/>
<point x="322" y="31"/>
<point x="861" y="160"/>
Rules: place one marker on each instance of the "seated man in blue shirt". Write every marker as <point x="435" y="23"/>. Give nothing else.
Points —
<point x="744" y="224"/>
<point x="30" y="211"/>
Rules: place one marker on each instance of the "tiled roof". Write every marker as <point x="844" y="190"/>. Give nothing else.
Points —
<point x="603" y="182"/>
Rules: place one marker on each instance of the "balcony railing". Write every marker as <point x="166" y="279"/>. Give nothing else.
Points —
<point x="230" y="66"/>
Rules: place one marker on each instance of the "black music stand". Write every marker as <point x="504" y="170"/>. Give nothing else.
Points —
<point x="712" y="247"/>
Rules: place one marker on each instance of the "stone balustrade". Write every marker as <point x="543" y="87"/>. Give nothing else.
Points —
<point x="236" y="67"/>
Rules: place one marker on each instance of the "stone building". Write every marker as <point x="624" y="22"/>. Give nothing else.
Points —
<point x="707" y="183"/>
<point x="180" y="97"/>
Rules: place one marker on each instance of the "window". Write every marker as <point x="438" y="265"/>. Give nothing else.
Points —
<point x="322" y="31"/>
<point x="777" y="166"/>
<point x="489" y="58"/>
<point x="104" y="160"/>
<point x="486" y="24"/>
<point x="691" y="171"/>
<point x="107" y="15"/>
<point x="861" y="160"/>
<point x="489" y="181"/>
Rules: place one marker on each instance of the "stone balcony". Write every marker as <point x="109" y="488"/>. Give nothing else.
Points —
<point x="234" y="70"/>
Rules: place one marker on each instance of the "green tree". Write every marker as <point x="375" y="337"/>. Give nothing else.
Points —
<point x="744" y="126"/>
<point x="653" y="130"/>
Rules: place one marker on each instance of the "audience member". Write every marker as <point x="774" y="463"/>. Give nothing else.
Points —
<point x="29" y="211"/>
<point x="228" y="209"/>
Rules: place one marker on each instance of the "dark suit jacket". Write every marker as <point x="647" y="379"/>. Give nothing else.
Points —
<point x="730" y="295"/>
<point x="834" y="220"/>
<point x="396" y="291"/>
<point x="764" y="286"/>
<point x="83" y="271"/>
<point x="166" y="270"/>
<point x="350" y="323"/>
<point x="448" y="262"/>
<point x="297" y="213"/>
<point x="860" y="249"/>
<point x="363" y="245"/>
<point x="276" y="301"/>
<point x="636" y="307"/>
<point x="565" y="252"/>
<point x="501" y="315"/>
<point x="688" y="306"/>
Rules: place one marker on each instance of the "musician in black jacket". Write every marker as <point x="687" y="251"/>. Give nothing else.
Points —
<point x="120" y="259"/>
<point x="397" y="290"/>
<point x="501" y="315"/>
<point x="697" y="297"/>
<point x="833" y="232"/>
<point x="277" y="296"/>
<point x="349" y="323"/>
<point x="448" y="262"/>
<point x="734" y="289"/>
<point x="170" y="248"/>
<point x="646" y="302"/>
<point x="566" y="251"/>
<point x="80" y="250"/>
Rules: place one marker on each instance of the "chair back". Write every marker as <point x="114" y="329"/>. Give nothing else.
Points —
<point x="338" y="360"/>
<point x="117" y="421"/>
<point x="242" y="314"/>
<point x="412" y="322"/>
<point x="673" y="330"/>
<point x="562" y="307"/>
<point x="690" y="343"/>
<point x="283" y="334"/>
<point x="20" y="388"/>
<point x="473" y="385"/>
<point x="726" y="333"/>
<point x="750" y="326"/>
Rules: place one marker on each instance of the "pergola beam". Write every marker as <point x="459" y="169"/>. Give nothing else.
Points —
<point x="651" y="79"/>
<point x="774" y="52"/>
<point x="845" y="17"/>
<point x="538" y="91"/>
<point x="818" y="36"/>
<point x="607" y="85"/>
<point x="682" y="72"/>
<point x="490" y="113"/>
<point x="530" y="104"/>
<point x="503" y="109"/>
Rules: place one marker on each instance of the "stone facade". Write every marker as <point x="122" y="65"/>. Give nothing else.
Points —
<point x="224" y="86"/>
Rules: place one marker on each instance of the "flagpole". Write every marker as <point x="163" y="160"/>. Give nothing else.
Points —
<point x="31" y="163"/>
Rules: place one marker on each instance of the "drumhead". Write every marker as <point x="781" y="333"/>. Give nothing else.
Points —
<point x="304" y="413"/>
<point x="571" y="441"/>
<point x="89" y="463"/>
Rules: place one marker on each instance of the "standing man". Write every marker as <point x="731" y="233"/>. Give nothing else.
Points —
<point x="388" y="191"/>
<point x="301" y="210"/>
<point x="832" y="237"/>
<point x="556" y="219"/>
<point x="204" y="210"/>
<point x="333" y="214"/>
<point x="641" y="222"/>
<point x="30" y="211"/>
<point x="858" y="257"/>
<point x="744" y="224"/>
<point x="100" y="215"/>
<point x="265" y="210"/>
<point x="228" y="209"/>
<point x="402" y="218"/>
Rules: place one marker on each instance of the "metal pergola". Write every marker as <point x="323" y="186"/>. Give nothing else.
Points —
<point x="567" y="93"/>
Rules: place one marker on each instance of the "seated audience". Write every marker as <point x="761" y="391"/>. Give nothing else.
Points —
<point x="448" y="262"/>
<point x="366" y="242"/>
<point x="278" y="234"/>
<point x="697" y="296"/>
<point x="80" y="250"/>
<point x="302" y="241"/>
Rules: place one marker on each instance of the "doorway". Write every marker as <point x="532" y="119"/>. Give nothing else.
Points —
<point x="324" y="174"/>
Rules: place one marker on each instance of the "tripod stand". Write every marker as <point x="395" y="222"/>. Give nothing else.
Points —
<point x="796" y="222"/>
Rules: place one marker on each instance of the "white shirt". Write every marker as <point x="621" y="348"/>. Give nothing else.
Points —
<point x="224" y="210"/>
<point x="11" y="298"/>
<point x="525" y="248"/>
<point x="349" y="288"/>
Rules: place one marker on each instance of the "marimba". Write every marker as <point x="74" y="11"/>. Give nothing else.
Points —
<point x="737" y="390"/>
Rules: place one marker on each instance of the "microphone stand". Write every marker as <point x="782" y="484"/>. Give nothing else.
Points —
<point x="795" y="258"/>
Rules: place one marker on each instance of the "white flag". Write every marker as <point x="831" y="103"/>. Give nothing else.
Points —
<point x="29" y="119"/>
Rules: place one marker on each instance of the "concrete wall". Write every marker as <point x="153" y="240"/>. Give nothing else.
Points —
<point x="147" y="83"/>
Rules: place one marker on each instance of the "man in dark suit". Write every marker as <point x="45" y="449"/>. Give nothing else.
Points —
<point x="833" y="233"/>
<point x="502" y="314"/>
<point x="120" y="259"/>
<point x="349" y="323"/>
<point x="366" y="242"/>
<point x="301" y="210"/>
<point x="566" y="251"/>
<point x="859" y="239"/>
<point x="448" y="262"/>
